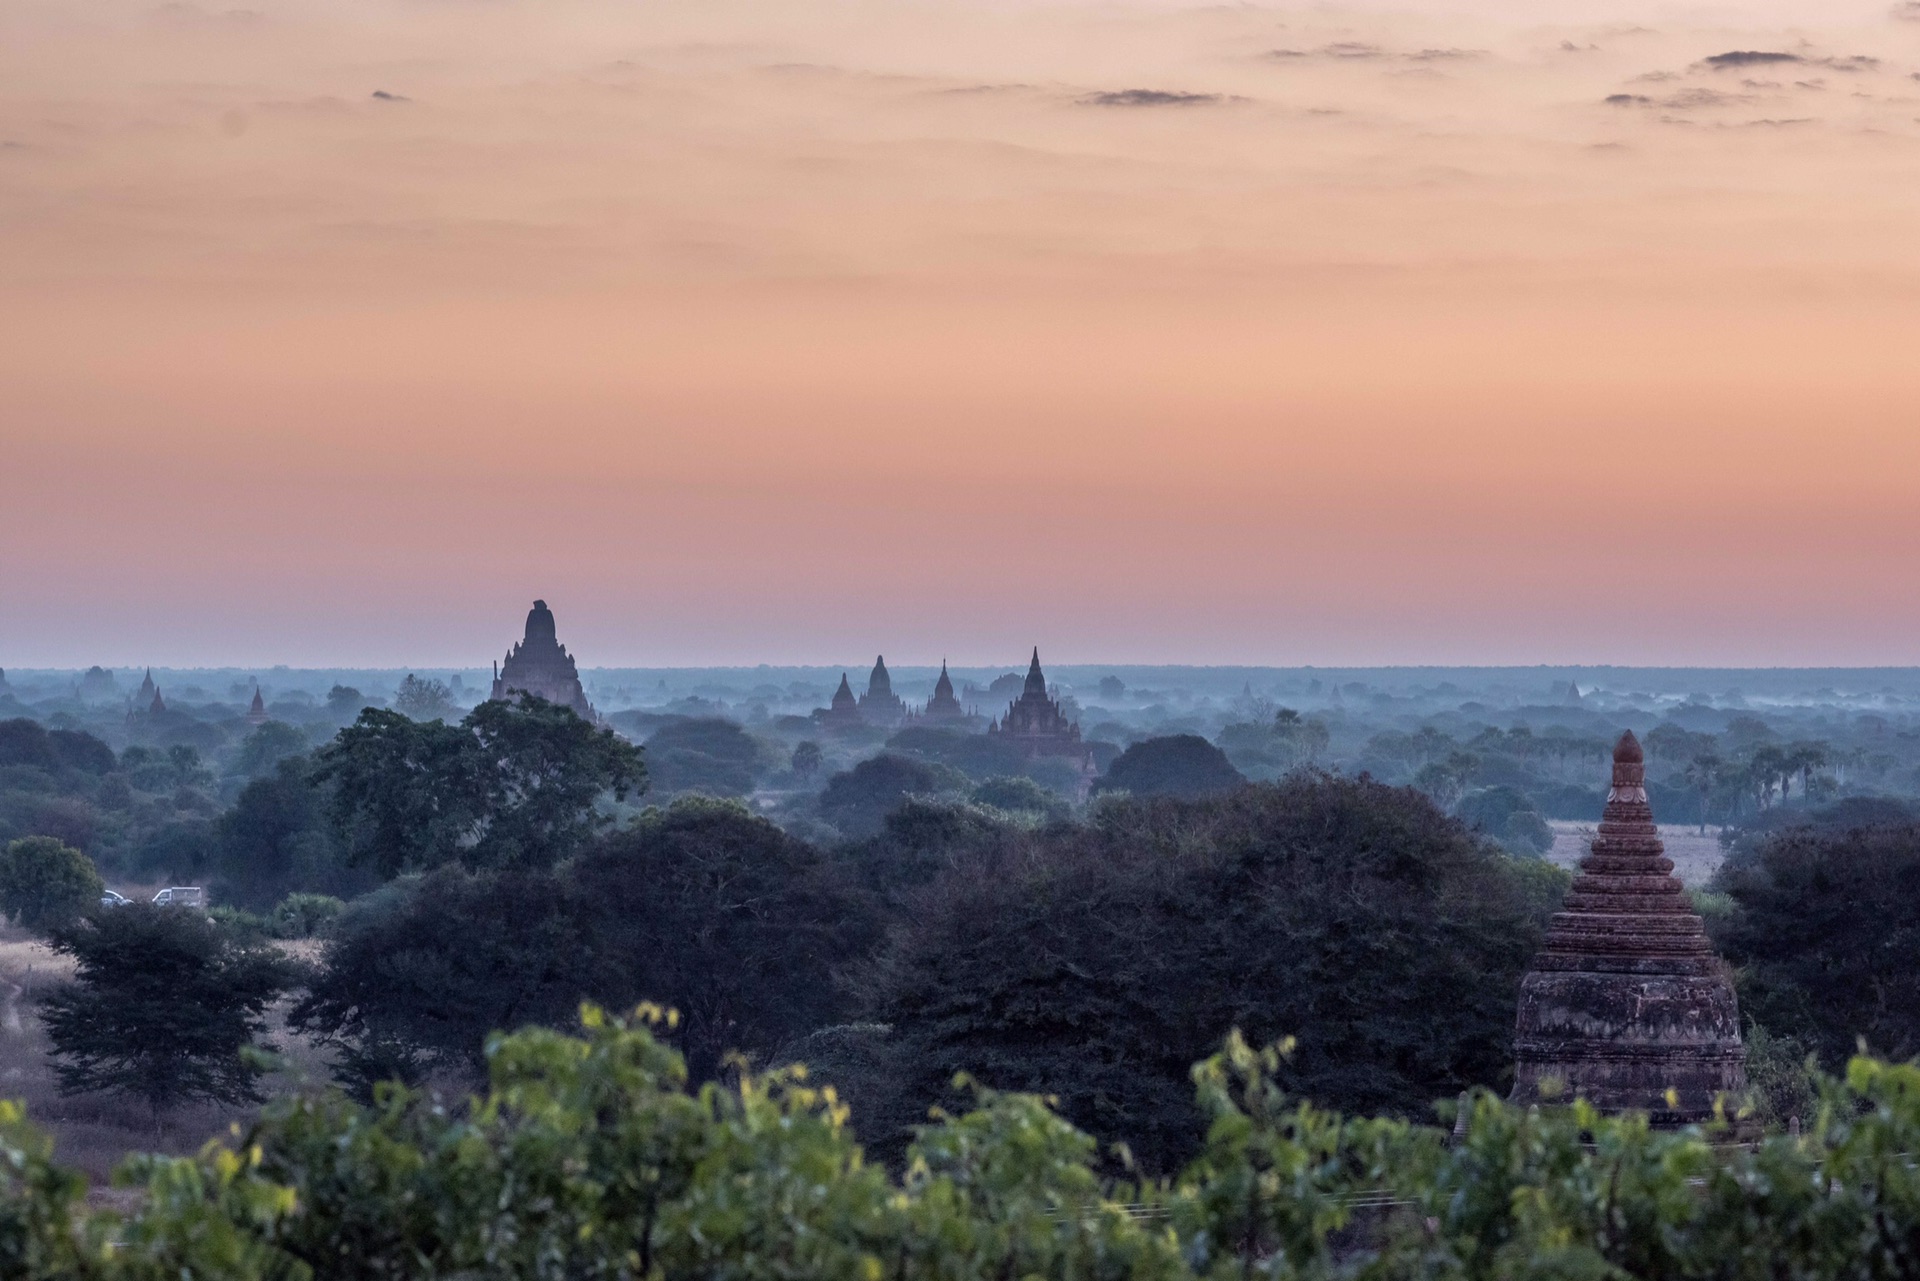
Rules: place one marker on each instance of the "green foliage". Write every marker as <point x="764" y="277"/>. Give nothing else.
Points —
<point x="1506" y="815"/>
<point x="1176" y="765"/>
<point x="859" y="800"/>
<point x="276" y="840"/>
<point x="708" y="755"/>
<point x="163" y="1004"/>
<point x="1827" y="937"/>
<point x="806" y="759"/>
<point x="590" y="1157"/>
<point x="302" y="916"/>
<point x="266" y="747"/>
<point x="1096" y="963"/>
<point x="737" y="923"/>
<point x="514" y="784"/>
<point x="45" y="884"/>
<point x="1016" y="795"/>
<point x="423" y="699"/>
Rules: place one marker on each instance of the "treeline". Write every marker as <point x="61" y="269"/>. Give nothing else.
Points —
<point x="497" y="880"/>
<point x="590" y="1157"/>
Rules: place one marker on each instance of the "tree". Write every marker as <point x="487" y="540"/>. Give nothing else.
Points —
<point x="513" y="784"/>
<point x="276" y="840"/>
<point x="405" y="794"/>
<point x="1827" y="936"/>
<point x="266" y="747"/>
<point x="702" y="906"/>
<point x="1703" y="774"/>
<point x="858" y="801"/>
<point x="541" y="771"/>
<point x="806" y="760"/>
<point x="1179" y="765"/>
<point x="44" y="883"/>
<point x="705" y="754"/>
<point x="344" y="701"/>
<point x="1096" y="963"/>
<point x="162" y="1008"/>
<point x="423" y="700"/>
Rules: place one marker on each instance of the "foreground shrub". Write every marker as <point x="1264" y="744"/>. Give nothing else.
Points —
<point x="590" y="1157"/>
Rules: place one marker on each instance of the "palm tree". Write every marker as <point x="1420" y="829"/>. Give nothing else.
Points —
<point x="1703" y="772"/>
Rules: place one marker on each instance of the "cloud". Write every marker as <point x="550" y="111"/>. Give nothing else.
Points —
<point x="1906" y="11"/>
<point x="1352" y="49"/>
<point x="1445" y="55"/>
<point x="1693" y="99"/>
<point x="1148" y="98"/>
<point x="381" y="95"/>
<point x="1748" y="58"/>
<point x="1628" y="100"/>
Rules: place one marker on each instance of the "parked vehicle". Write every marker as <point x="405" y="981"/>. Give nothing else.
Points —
<point x="181" y="896"/>
<point x="109" y="898"/>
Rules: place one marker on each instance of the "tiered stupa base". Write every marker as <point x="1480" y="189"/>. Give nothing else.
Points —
<point x="1627" y="1006"/>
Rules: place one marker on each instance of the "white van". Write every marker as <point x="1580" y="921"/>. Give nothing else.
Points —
<point x="181" y="896"/>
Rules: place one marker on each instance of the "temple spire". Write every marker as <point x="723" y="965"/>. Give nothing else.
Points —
<point x="1036" y="680"/>
<point x="1626" y="1004"/>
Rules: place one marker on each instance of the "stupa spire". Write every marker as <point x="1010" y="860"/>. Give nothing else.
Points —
<point x="1036" y="680"/>
<point x="1626" y="1004"/>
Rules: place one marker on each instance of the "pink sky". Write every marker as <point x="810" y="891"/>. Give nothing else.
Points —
<point x="746" y="331"/>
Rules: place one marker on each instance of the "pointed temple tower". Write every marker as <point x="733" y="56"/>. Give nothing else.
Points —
<point x="257" y="714"/>
<point x="1036" y="724"/>
<point x="943" y="707"/>
<point x="880" y="705"/>
<point x="1626" y="1004"/>
<point x="844" y="713"/>
<point x="541" y="665"/>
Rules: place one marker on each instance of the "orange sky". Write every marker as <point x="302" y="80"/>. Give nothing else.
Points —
<point x="744" y="331"/>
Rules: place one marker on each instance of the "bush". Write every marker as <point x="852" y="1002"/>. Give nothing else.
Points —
<point x="591" y="1157"/>
<point x="302" y="916"/>
<point x="45" y="884"/>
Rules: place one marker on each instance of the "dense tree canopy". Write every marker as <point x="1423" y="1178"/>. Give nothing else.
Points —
<point x="702" y="906"/>
<point x="706" y="754"/>
<point x="515" y="784"/>
<point x="1096" y="963"/>
<point x="162" y="1004"/>
<point x="859" y="800"/>
<point x="1827" y="936"/>
<point x="45" y="884"/>
<point x="1177" y="765"/>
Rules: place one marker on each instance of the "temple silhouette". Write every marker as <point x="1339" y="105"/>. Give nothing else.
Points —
<point x="1626" y="1004"/>
<point x="1034" y="722"/>
<point x="540" y="665"/>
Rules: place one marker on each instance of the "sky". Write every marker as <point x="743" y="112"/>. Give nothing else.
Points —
<point x="333" y="332"/>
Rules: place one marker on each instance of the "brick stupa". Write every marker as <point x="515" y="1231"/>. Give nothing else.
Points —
<point x="1626" y="1005"/>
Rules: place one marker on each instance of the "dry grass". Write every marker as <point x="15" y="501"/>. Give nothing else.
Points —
<point x="95" y="1132"/>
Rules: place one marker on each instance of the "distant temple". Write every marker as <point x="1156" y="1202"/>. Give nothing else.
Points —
<point x="1036" y="724"/>
<point x="880" y="705"/>
<point x="844" y="712"/>
<point x="257" y="714"/>
<point x="1626" y="1004"/>
<point x="943" y="708"/>
<point x="147" y="692"/>
<point x="540" y="665"/>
